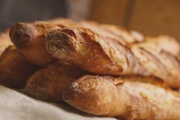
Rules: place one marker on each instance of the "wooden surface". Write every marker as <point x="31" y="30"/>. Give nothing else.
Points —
<point x="151" y="17"/>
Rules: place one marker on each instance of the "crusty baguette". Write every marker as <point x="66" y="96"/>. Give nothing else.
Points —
<point x="92" y="52"/>
<point x="27" y="36"/>
<point x="124" y="98"/>
<point x="103" y="55"/>
<point x="15" y="69"/>
<point x="48" y="82"/>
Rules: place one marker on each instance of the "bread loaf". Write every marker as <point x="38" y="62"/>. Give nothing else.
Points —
<point x="48" y="82"/>
<point x="125" y="97"/>
<point x="101" y="54"/>
<point x="15" y="69"/>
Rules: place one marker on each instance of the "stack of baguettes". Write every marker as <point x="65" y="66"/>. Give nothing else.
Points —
<point x="97" y="68"/>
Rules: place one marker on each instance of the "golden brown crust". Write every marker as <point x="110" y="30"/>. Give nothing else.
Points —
<point x="15" y="69"/>
<point x="159" y="57"/>
<point x="29" y="38"/>
<point x="83" y="47"/>
<point x="101" y="54"/>
<point x="122" y="98"/>
<point x="48" y="82"/>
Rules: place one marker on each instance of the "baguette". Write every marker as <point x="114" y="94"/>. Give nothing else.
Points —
<point x="92" y="52"/>
<point x="15" y="69"/>
<point x="47" y="83"/>
<point x="27" y="36"/>
<point x="104" y="55"/>
<point x="125" y="98"/>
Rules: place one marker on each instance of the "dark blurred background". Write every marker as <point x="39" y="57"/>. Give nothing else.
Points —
<point x="12" y="11"/>
<point x="150" y="17"/>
